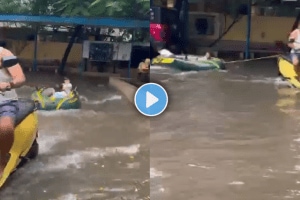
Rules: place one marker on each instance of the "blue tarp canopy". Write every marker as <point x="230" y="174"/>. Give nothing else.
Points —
<point x="104" y="22"/>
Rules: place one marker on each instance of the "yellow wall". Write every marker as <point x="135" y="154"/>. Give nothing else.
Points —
<point x="275" y="29"/>
<point x="47" y="51"/>
<point x="16" y="46"/>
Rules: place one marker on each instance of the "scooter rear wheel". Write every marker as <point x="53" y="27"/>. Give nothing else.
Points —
<point x="32" y="154"/>
<point x="34" y="150"/>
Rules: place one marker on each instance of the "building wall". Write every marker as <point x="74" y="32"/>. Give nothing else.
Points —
<point x="51" y="51"/>
<point x="264" y="29"/>
<point x="206" y="6"/>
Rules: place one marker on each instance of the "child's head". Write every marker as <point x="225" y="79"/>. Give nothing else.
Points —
<point x="66" y="80"/>
<point x="208" y="55"/>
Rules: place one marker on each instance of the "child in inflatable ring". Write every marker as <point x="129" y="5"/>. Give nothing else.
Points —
<point x="61" y="94"/>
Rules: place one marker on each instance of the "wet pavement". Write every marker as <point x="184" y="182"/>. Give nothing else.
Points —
<point x="98" y="152"/>
<point x="226" y="135"/>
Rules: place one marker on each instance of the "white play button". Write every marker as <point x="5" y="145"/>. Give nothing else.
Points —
<point x="150" y="99"/>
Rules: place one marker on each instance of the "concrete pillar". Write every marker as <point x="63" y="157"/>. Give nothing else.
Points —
<point x="255" y="10"/>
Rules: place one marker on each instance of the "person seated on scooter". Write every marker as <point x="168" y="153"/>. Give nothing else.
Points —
<point x="10" y="78"/>
<point x="294" y="44"/>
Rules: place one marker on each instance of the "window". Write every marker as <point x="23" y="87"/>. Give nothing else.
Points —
<point x="205" y="25"/>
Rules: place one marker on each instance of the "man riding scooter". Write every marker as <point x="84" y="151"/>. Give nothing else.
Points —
<point x="294" y="44"/>
<point x="10" y="78"/>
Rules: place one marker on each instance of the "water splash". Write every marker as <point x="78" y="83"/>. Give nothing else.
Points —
<point x="251" y="80"/>
<point x="265" y="80"/>
<point x="83" y="98"/>
<point x="236" y="183"/>
<point x="47" y="142"/>
<point x="156" y="185"/>
<point x="200" y="166"/>
<point x="156" y="69"/>
<point x="186" y="73"/>
<point x="67" y="197"/>
<point x="281" y="83"/>
<point x="155" y="173"/>
<point x="78" y="113"/>
<point x="71" y="112"/>
<point x="76" y="158"/>
<point x="97" y="102"/>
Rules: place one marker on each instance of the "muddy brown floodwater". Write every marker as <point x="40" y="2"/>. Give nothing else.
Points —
<point x="98" y="152"/>
<point x="226" y="135"/>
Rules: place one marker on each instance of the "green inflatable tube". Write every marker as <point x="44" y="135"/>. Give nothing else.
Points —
<point x="72" y="101"/>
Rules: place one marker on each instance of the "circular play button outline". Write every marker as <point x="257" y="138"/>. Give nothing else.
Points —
<point x="166" y="99"/>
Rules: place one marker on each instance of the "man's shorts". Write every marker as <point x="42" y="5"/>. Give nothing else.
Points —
<point x="9" y="108"/>
<point x="293" y="55"/>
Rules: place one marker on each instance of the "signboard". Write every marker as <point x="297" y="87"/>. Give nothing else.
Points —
<point x="100" y="51"/>
<point x="106" y="51"/>
<point x="122" y="51"/>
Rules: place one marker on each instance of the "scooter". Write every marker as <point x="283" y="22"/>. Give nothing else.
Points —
<point x="25" y="146"/>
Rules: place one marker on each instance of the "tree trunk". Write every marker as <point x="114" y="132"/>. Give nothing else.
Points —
<point x="295" y="25"/>
<point x="97" y="35"/>
<point x="68" y="49"/>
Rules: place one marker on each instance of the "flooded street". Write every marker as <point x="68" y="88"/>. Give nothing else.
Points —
<point x="225" y="136"/>
<point x="98" y="152"/>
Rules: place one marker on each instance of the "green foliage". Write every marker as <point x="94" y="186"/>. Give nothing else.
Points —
<point x="12" y="7"/>
<point x="122" y="8"/>
<point x="137" y="9"/>
<point x="40" y="7"/>
<point x="71" y="8"/>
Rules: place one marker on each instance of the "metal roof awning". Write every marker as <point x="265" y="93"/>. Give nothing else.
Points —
<point x="106" y="22"/>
